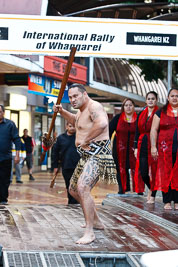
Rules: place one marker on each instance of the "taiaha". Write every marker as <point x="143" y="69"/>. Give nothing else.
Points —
<point x="47" y="140"/>
<point x="53" y="180"/>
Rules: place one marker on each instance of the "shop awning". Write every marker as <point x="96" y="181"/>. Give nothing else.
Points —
<point x="115" y="79"/>
<point x="15" y="64"/>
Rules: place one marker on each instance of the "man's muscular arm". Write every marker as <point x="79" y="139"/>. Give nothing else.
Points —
<point x="70" y="117"/>
<point x="100" y="122"/>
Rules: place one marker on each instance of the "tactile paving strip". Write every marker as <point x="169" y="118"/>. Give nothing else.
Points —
<point x="172" y="227"/>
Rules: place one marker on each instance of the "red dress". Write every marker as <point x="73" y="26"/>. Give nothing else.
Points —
<point x="166" y="174"/>
<point x="144" y="127"/>
<point x="125" y="148"/>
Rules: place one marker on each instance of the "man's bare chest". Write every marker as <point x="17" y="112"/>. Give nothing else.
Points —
<point x="83" y="120"/>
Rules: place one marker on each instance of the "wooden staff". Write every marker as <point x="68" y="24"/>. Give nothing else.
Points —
<point x="53" y="180"/>
<point x="47" y="137"/>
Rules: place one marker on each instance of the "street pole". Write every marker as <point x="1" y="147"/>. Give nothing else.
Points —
<point x="169" y="74"/>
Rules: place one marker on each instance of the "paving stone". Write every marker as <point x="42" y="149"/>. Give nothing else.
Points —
<point x="37" y="218"/>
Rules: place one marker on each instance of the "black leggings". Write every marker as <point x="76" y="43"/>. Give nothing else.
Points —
<point x="119" y="177"/>
<point x="143" y="162"/>
<point x="171" y="195"/>
<point x="144" y="173"/>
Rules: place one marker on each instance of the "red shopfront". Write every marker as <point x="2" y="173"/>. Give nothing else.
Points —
<point x="55" y="67"/>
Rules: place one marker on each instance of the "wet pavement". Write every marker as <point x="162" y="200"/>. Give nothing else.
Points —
<point x="39" y="191"/>
<point x="38" y="219"/>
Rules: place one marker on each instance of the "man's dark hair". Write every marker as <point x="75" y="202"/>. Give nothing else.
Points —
<point x="154" y="93"/>
<point x="80" y="87"/>
<point x="2" y="107"/>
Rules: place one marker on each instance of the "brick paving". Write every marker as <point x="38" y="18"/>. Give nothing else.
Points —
<point x="37" y="218"/>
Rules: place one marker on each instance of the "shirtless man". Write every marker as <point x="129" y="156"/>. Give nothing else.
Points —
<point x="92" y="142"/>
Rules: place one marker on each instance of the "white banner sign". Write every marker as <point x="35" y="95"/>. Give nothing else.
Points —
<point x="95" y="37"/>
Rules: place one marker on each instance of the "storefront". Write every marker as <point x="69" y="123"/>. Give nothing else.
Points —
<point x="20" y="108"/>
<point x="17" y="106"/>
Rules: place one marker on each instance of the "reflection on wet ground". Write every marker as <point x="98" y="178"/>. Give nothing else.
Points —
<point x="39" y="191"/>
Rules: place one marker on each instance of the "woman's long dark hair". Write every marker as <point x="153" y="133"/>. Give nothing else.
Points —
<point x="123" y="103"/>
<point x="164" y="108"/>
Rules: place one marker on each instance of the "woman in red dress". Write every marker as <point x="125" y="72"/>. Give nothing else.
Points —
<point x="145" y="170"/>
<point x="124" y="125"/>
<point x="165" y="127"/>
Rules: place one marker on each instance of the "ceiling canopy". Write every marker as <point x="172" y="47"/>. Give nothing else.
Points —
<point x="148" y="9"/>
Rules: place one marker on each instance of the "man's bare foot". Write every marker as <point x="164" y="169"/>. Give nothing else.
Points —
<point x="86" y="239"/>
<point x="151" y="200"/>
<point x="167" y="206"/>
<point x="176" y="206"/>
<point x="149" y="195"/>
<point x="98" y="226"/>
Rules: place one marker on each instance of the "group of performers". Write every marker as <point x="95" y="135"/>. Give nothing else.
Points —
<point x="145" y="148"/>
<point x="134" y="152"/>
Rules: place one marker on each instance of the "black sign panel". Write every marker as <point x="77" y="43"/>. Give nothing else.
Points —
<point x="3" y="33"/>
<point x="158" y="39"/>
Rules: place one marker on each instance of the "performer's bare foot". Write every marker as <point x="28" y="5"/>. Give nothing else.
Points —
<point x="151" y="200"/>
<point x="97" y="225"/>
<point x="86" y="239"/>
<point x="167" y="206"/>
<point x="176" y="206"/>
<point x="149" y="195"/>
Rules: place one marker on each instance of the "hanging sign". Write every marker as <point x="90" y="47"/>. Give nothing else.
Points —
<point x="45" y="86"/>
<point x="55" y="68"/>
<point x="96" y="37"/>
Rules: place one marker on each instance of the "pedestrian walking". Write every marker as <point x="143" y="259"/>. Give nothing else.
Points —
<point x="8" y="134"/>
<point x="18" y="166"/>
<point x="29" y="145"/>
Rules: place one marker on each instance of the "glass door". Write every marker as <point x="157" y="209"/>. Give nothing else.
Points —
<point x="37" y="137"/>
<point x="15" y="118"/>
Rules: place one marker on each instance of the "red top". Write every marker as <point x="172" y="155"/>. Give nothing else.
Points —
<point x="144" y="126"/>
<point x="122" y="132"/>
<point x="167" y="175"/>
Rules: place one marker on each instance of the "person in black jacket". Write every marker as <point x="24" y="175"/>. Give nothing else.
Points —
<point x="65" y="150"/>
<point x="8" y="134"/>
